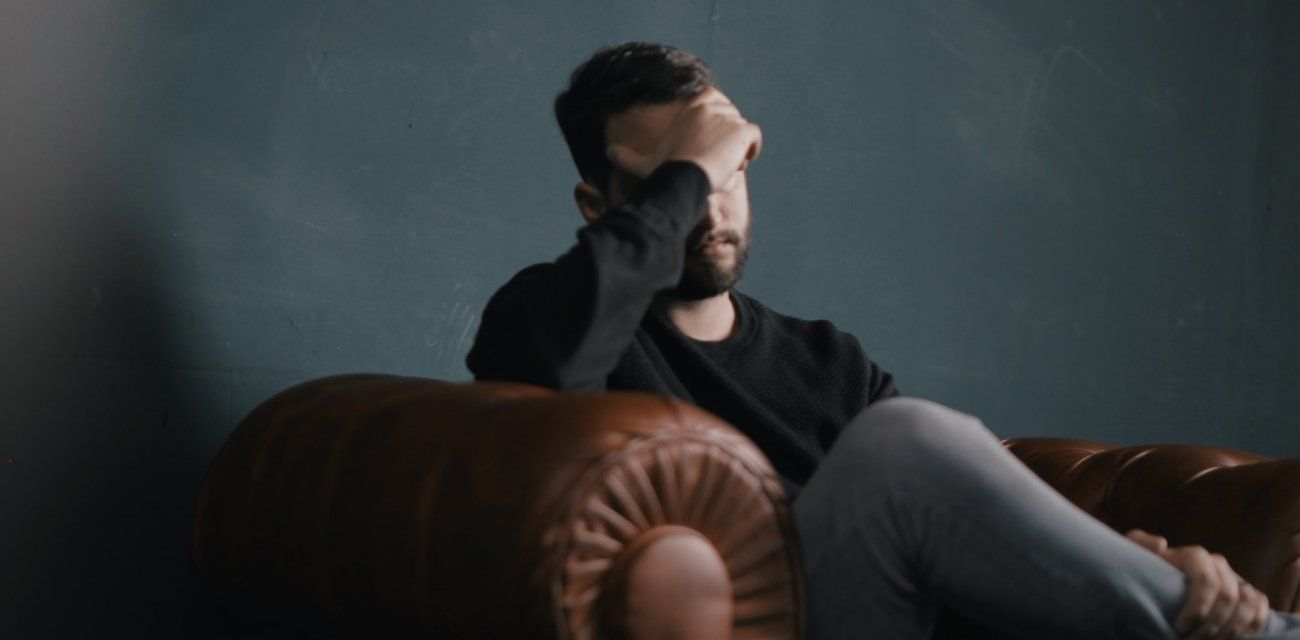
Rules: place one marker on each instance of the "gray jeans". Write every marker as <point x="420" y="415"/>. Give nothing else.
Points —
<point x="918" y="507"/>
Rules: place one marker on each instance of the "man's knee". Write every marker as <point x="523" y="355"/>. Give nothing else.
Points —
<point x="904" y="428"/>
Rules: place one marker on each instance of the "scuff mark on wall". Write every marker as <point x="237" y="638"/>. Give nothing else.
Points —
<point x="1036" y="94"/>
<point x="715" y="18"/>
<point x="447" y="342"/>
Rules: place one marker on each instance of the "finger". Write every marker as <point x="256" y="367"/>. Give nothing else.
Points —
<point x="712" y="95"/>
<point x="1225" y="601"/>
<point x="1244" y="616"/>
<point x="628" y="160"/>
<point x="1255" y="604"/>
<point x="1151" y="542"/>
<point x="1262" y="612"/>
<point x="711" y="99"/>
<point x="715" y="110"/>
<point x="1202" y="588"/>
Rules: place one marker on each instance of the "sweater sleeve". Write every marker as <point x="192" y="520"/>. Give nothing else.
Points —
<point x="868" y="381"/>
<point x="880" y="383"/>
<point x="861" y="383"/>
<point x="566" y="323"/>
<point x="865" y="381"/>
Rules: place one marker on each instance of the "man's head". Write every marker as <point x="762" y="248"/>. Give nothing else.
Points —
<point x="629" y="95"/>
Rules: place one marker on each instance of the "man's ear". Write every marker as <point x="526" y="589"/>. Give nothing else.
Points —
<point x="591" y="204"/>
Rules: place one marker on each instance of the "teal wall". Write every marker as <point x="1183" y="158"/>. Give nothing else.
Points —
<point x="1068" y="219"/>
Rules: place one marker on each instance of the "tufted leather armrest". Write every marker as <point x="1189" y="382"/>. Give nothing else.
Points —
<point x="1244" y="506"/>
<point x="497" y="510"/>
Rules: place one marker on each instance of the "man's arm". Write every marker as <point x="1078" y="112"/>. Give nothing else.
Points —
<point x="565" y="324"/>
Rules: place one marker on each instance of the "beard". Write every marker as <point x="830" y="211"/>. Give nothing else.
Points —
<point x="707" y="275"/>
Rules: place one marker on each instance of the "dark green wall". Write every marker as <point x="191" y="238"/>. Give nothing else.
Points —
<point x="1069" y="220"/>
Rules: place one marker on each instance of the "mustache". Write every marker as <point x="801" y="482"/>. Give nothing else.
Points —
<point x="699" y="244"/>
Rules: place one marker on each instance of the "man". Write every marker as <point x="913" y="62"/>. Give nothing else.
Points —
<point x="903" y="506"/>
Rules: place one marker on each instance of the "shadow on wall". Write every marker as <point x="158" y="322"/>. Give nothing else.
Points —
<point x="100" y="445"/>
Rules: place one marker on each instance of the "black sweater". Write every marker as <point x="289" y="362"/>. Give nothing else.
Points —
<point x="584" y="323"/>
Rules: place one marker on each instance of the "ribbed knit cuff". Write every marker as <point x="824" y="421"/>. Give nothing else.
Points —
<point x="679" y="188"/>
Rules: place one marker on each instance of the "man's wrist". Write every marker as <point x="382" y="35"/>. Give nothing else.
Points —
<point x="679" y="188"/>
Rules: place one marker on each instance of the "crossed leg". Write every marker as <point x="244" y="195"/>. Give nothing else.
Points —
<point x="918" y="506"/>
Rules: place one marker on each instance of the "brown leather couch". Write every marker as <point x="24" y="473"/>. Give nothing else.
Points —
<point x="375" y="504"/>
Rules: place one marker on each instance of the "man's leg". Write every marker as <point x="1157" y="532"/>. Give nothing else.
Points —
<point x="918" y="505"/>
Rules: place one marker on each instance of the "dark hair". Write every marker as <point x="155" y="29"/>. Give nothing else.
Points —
<point x="612" y="80"/>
